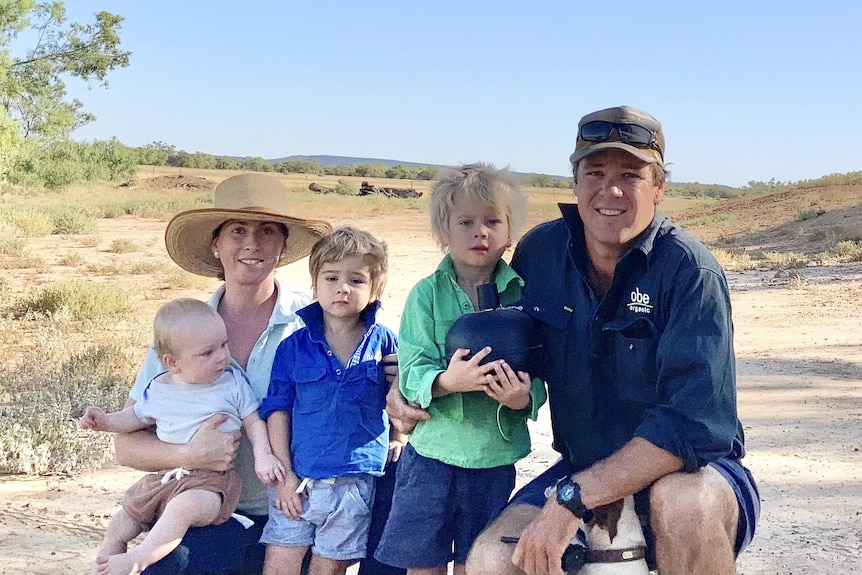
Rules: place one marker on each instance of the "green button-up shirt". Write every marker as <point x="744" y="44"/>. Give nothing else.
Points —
<point x="466" y="429"/>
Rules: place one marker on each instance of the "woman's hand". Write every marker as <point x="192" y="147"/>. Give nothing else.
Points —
<point x="210" y="448"/>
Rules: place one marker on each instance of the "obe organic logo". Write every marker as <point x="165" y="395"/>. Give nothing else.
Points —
<point x="639" y="302"/>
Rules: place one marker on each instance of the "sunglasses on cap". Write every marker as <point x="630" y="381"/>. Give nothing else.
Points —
<point x="599" y="131"/>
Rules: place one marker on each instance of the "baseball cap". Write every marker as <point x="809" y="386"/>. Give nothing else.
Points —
<point x="624" y="128"/>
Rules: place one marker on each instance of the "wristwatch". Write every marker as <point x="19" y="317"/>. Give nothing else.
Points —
<point x="569" y="496"/>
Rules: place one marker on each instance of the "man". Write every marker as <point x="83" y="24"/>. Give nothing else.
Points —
<point x="640" y="369"/>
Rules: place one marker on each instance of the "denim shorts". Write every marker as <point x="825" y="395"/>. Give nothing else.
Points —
<point x="438" y="510"/>
<point x="335" y="519"/>
<point x="739" y="478"/>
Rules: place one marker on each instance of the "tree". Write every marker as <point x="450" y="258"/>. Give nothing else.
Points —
<point x="32" y="87"/>
<point x="156" y="153"/>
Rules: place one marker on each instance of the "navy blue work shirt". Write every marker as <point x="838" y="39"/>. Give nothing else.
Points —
<point x="653" y="358"/>
<point x="338" y="422"/>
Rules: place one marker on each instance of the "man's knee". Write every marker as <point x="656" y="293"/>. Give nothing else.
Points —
<point x="488" y="553"/>
<point x="693" y="506"/>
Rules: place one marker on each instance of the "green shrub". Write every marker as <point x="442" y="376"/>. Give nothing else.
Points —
<point x="345" y="188"/>
<point x="12" y="241"/>
<point x="74" y="221"/>
<point x="81" y="300"/>
<point x="804" y="215"/>
<point x="89" y="241"/>
<point x="43" y="399"/>
<point x="848" y="251"/>
<point x="786" y="259"/>
<point x="72" y="260"/>
<point x="122" y="246"/>
<point x="33" y="222"/>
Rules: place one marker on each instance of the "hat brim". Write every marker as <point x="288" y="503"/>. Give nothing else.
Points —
<point x="647" y="155"/>
<point x="189" y="235"/>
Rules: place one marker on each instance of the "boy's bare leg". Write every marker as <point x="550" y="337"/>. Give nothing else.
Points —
<point x="324" y="566"/>
<point x="121" y="529"/>
<point x="193" y="508"/>
<point x="284" y="560"/>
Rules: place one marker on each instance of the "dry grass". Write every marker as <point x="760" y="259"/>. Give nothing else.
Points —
<point x="82" y="299"/>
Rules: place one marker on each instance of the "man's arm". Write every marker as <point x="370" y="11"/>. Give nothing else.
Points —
<point x="635" y="466"/>
<point x="402" y="415"/>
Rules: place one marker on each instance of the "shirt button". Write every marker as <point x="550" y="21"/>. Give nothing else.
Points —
<point x="337" y="372"/>
<point x="328" y="353"/>
<point x="466" y="306"/>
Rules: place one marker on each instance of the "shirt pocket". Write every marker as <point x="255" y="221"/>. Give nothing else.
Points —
<point x="312" y="392"/>
<point x="633" y="343"/>
<point x="552" y="322"/>
<point x="365" y="384"/>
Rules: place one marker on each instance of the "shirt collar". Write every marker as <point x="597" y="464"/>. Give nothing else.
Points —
<point x="312" y="315"/>
<point x="643" y="244"/>
<point x="504" y="275"/>
<point x="282" y="313"/>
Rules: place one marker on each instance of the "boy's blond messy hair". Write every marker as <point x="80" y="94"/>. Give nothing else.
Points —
<point x="347" y="242"/>
<point x="496" y="188"/>
<point x="175" y="317"/>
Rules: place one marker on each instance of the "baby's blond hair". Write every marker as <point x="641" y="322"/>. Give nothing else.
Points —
<point x="174" y="317"/>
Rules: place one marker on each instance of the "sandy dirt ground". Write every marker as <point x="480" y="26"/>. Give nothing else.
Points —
<point x="799" y="348"/>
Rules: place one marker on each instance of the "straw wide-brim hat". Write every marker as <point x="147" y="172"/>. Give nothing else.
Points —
<point x="258" y="197"/>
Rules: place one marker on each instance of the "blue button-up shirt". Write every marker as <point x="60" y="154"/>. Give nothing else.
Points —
<point x="337" y="412"/>
<point x="653" y="358"/>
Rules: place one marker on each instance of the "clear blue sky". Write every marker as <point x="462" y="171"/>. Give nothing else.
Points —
<point x="746" y="90"/>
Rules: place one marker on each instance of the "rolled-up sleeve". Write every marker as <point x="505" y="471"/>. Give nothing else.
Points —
<point x="696" y="416"/>
<point x="419" y="358"/>
<point x="282" y="388"/>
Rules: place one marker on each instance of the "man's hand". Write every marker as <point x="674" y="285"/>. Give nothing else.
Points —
<point x="402" y="415"/>
<point x="542" y="543"/>
<point x="210" y="448"/>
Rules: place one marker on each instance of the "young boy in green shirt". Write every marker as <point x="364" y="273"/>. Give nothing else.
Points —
<point x="458" y="470"/>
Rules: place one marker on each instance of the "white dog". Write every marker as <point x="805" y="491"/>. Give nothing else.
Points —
<point x="615" y="541"/>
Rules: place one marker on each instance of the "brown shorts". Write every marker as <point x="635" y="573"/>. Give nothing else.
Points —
<point x="145" y="501"/>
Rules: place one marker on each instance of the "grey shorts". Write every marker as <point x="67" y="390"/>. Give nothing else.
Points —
<point x="335" y="519"/>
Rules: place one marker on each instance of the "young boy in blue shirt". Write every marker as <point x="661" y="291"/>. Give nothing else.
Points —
<point x="458" y="470"/>
<point x="325" y="411"/>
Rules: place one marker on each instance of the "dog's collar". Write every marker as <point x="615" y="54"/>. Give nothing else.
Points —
<point x="616" y="555"/>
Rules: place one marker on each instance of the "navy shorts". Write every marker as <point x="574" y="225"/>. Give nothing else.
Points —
<point x="229" y="548"/>
<point x="438" y="510"/>
<point x="740" y="479"/>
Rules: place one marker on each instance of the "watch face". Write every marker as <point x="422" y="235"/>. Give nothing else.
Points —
<point x="566" y="492"/>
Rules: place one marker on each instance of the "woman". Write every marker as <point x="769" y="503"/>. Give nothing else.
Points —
<point x="242" y="240"/>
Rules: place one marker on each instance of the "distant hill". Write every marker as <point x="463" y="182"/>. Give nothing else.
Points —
<point x="329" y="161"/>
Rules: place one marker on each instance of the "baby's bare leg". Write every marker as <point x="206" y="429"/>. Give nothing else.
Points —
<point x="121" y="529"/>
<point x="193" y="508"/>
